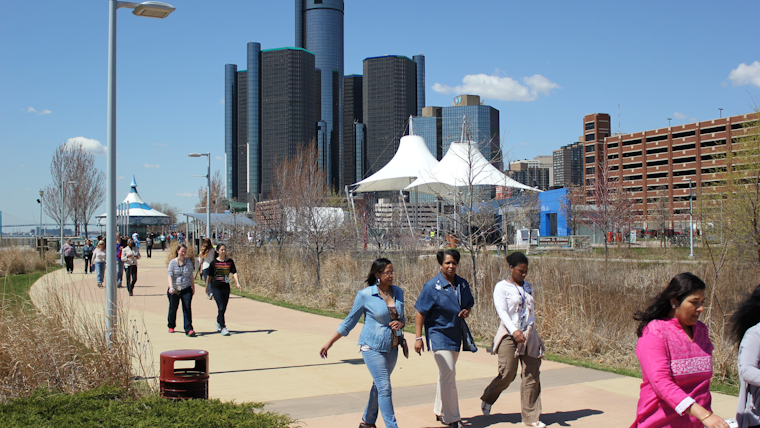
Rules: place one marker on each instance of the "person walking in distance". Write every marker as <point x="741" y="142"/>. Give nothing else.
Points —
<point x="219" y="272"/>
<point x="149" y="245"/>
<point x="129" y="256"/>
<point x="99" y="260"/>
<point x="87" y="256"/>
<point x="206" y="256"/>
<point x="69" y="252"/>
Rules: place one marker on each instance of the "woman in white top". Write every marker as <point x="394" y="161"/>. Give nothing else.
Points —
<point x="99" y="260"/>
<point x="129" y="256"/>
<point x="517" y="341"/>
<point x="205" y="257"/>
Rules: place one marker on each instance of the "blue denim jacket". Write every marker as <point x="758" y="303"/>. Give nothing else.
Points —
<point x="440" y="306"/>
<point x="376" y="333"/>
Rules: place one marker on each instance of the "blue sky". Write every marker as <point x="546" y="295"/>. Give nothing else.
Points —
<point x="542" y="64"/>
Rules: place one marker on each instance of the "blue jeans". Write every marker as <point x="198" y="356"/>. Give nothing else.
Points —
<point x="221" y="297"/>
<point x="186" y="297"/>
<point x="100" y="268"/>
<point x="380" y="366"/>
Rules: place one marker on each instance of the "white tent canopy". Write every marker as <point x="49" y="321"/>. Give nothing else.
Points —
<point x="140" y="213"/>
<point x="462" y="166"/>
<point x="412" y="160"/>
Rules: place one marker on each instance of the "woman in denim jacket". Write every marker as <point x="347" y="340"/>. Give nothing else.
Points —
<point x="442" y="302"/>
<point x="382" y="305"/>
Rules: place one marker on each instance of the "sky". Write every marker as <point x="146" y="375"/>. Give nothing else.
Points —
<point x="543" y="65"/>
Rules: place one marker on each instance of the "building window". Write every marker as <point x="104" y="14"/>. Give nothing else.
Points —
<point x="612" y="145"/>
<point x="590" y="148"/>
<point x="590" y="137"/>
<point x="589" y="125"/>
<point x="590" y="159"/>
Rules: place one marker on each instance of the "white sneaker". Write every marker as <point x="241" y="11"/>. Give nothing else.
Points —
<point x="486" y="408"/>
<point x="218" y="327"/>
<point x="537" y="424"/>
<point x="226" y="332"/>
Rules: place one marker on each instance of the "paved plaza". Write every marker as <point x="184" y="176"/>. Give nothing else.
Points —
<point x="272" y="356"/>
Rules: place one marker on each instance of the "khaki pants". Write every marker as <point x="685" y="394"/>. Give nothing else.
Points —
<point x="446" y="398"/>
<point x="530" y="387"/>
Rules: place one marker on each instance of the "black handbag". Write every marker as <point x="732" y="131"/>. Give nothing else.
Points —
<point x="468" y="343"/>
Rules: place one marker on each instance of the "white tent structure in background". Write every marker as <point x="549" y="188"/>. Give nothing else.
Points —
<point x="412" y="160"/>
<point x="138" y="212"/>
<point x="462" y="166"/>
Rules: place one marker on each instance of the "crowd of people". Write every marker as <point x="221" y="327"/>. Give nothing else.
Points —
<point x="673" y="348"/>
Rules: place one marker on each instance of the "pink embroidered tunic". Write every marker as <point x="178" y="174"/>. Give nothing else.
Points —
<point x="676" y="373"/>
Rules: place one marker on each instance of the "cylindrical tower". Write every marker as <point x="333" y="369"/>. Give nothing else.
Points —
<point x="230" y="127"/>
<point x="420" y="60"/>
<point x="319" y="28"/>
<point x="254" y="122"/>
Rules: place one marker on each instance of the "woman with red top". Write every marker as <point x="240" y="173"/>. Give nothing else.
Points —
<point x="675" y="354"/>
<point x="219" y="272"/>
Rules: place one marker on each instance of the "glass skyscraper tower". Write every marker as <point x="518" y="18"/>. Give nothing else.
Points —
<point x="319" y="28"/>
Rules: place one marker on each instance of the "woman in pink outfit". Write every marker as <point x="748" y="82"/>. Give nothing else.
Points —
<point x="675" y="354"/>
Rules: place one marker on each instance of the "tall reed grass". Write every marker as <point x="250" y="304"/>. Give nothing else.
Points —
<point x="584" y="307"/>
<point x="19" y="260"/>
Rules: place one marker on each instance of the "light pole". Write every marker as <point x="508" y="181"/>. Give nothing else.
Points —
<point x="691" y="220"/>
<point x="208" y="190"/>
<point x="669" y="119"/>
<point x="720" y="110"/>
<point x="149" y="9"/>
<point x="39" y="231"/>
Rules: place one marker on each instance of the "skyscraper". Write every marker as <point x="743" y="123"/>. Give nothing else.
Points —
<point x="288" y="107"/>
<point x="481" y="126"/>
<point x="429" y="127"/>
<point x="568" y="165"/>
<point x="319" y="29"/>
<point x="242" y="128"/>
<point x="352" y="138"/>
<point x="389" y="97"/>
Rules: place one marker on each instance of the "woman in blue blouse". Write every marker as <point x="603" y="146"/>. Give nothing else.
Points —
<point x="382" y="305"/>
<point x="443" y="301"/>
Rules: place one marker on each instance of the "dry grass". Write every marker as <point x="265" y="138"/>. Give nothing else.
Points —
<point x="172" y="253"/>
<point x="64" y="349"/>
<point x="19" y="260"/>
<point x="584" y="309"/>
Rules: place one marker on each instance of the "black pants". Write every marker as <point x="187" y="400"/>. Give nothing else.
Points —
<point x="186" y="297"/>
<point x="69" y="263"/>
<point x="148" y="250"/>
<point x="221" y="294"/>
<point x="131" y="272"/>
<point x="87" y="263"/>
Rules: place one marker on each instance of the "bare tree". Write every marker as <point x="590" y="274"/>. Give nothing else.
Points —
<point x="167" y="209"/>
<point x="219" y="203"/>
<point x="77" y="187"/>
<point x="660" y="213"/>
<point x="613" y="205"/>
<point x="311" y="210"/>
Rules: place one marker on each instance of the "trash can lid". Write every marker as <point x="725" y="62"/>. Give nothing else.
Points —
<point x="184" y="353"/>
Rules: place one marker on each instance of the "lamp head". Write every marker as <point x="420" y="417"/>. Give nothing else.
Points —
<point x="153" y="9"/>
<point x="194" y="155"/>
<point x="41" y="193"/>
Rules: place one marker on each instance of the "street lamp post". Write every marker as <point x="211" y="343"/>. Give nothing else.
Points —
<point x="149" y="9"/>
<point x="208" y="190"/>
<point x="691" y="220"/>
<point x="39" y="230"/>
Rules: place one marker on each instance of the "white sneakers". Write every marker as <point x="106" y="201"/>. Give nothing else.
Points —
<point x="486" y="408"/>
<point x="537" y="424"/>
<point x="226" y="332"/>
<point x="218" y="327"/>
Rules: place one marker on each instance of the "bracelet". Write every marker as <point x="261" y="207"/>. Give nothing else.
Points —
<point x="708" y="415"/>
<point x="419" y="338"/>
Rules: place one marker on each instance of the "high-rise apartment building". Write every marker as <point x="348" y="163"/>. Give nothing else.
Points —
<point x="353" y="125"/>
<point x="534" y="173"/>
<point x="389" y="98"/>
<point x="567" y="163"/>
<point x="319" y="29"/>
<point x="481" y="125"/>
<point x="288" y="107"/>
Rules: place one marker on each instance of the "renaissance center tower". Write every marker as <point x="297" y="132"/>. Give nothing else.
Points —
<point x="319" y="29"/>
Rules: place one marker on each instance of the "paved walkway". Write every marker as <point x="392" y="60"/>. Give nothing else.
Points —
<point x="273" y="356"/>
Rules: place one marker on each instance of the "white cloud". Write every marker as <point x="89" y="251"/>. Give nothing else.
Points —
<point x="679" y="116"/>
<point x="90" y="145"/>
<point x="147" y="165"/>
<point x="38" y="113"/>
<point x="746" y="74"/>
<point x="523" y="143"/>
<point x="221" y="101"/>
<point x="121" y="177"/>
<point x="501" y="88"/>
<point x="218" y="158"/>
<point x="186" y="194"/>
<point x="159" y="144"/>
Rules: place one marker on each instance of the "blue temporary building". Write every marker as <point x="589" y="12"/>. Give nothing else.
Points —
<point x="553" y="223"/>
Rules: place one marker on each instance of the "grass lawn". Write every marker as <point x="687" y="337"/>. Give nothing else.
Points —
<point x="110" y="407"/>
<point x="14" y="289"/>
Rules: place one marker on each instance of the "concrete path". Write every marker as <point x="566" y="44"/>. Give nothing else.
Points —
<point x="273" y="356"/>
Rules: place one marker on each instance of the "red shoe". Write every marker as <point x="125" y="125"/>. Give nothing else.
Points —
<point x="190" y="333"/>
<point x="171" y="330"/>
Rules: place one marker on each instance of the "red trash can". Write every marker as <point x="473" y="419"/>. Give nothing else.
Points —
<point x="184" y="383"/>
